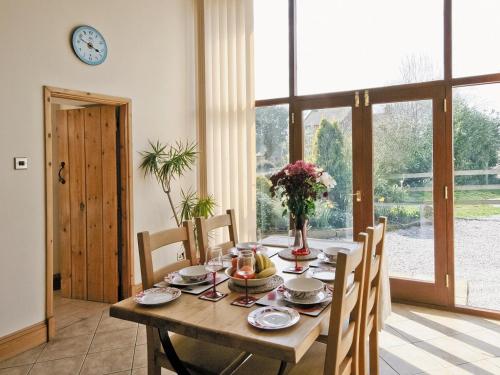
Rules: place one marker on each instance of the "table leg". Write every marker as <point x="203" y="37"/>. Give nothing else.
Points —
<point x="282" y="368"/>
<point x="171" y="354"/>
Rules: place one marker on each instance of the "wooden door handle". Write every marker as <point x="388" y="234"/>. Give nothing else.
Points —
<point x="59" y="174"/>
<point x="357" y="194"/>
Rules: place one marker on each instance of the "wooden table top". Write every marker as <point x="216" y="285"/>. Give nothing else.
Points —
<point x="225" y="324"/>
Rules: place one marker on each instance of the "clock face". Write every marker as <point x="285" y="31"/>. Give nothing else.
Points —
<point x="89" y="45"/>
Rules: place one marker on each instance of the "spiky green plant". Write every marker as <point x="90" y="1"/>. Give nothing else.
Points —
<point x="166" y="163"/>
<point x="194" y="206"/>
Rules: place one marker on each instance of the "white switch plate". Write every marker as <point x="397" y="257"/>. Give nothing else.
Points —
<point x="20" y="163"/>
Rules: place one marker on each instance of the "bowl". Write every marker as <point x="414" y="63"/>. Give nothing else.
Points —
<point x="331" y="253"/>
<point x="247" y="245"/>
<point x="251" y="282"/>
<point x="303" y="287"/>
<point x="193" y="273"/>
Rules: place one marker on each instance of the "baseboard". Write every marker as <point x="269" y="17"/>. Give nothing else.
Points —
<point x="22" y="340"/>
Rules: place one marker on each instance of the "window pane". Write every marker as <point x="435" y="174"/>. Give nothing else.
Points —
<point x="403" y="183"/>
<point x="476" y="147"/>
<point x="272" y="155"/>
<point x="345" y="44"/>
<point x="475" y="25"/>
<point x="271" y="48"/>
<point x="328" y="144"/>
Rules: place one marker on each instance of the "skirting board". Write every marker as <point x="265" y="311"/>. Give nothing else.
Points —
<point x="22" y="340"/>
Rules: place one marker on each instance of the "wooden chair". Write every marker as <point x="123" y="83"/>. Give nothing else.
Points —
<point x="340" y="354"/>
<point x="371" y="296"/>
<point x="196" y="355"/>
<point x="205" y="226"/>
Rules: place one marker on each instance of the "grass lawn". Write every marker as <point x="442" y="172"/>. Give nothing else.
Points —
<point x="473" y="211"/>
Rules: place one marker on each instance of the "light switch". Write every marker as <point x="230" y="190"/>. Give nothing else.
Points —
<point x="20" y="163"/>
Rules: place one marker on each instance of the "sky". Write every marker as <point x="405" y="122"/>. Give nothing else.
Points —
<point x="347" y="45"/>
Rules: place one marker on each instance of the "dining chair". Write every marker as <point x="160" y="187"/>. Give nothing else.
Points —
<point x="205" y="226"/>
<point x="196" y="355"/>
<point x="369" y="349"/>
<point x="339" y="356"/>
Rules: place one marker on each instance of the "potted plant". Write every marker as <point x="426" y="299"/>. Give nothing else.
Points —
<point x="299" y="186"/>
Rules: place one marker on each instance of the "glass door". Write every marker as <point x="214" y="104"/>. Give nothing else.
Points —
<point x="331" y="140"/>
<point x="408" y="158"/>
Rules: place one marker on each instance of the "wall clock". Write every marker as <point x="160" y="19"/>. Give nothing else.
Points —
<point x="89" y="45"/>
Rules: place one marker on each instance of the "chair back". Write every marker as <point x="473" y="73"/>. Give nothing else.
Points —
<point x="371" y="295"/>
<point x="205" y="226"/>
<point x="151" y="242"/>
<point x="345" y="317"/>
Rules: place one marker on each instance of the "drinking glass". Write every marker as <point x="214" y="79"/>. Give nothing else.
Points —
<point x="213" y="264"/>
<point x="246" y="269"/>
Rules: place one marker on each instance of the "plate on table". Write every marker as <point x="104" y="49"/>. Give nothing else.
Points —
<point x="177" y="280"/>
<point x="321" y="297"/>
<point x="273" y="317"/>
<point x="157" y="296"/>
<point x="324" y="274"/>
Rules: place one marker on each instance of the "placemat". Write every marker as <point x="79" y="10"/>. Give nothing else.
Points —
<point x="196" y="289"/>
<point x="287" y="254"/>
<point x="274" y="298"/>
<point x="271" y="284"/>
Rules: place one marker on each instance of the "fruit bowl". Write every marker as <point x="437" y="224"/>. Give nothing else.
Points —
<point x="251" y="282"/>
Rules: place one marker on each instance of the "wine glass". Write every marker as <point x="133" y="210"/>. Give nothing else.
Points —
<point x="213" y="264"/>
<point x="246" y="269"/>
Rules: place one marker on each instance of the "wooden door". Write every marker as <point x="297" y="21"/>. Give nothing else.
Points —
<point x="88" y="203"/>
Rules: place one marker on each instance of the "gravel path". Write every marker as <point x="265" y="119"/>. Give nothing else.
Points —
<point x="477" y="257"/>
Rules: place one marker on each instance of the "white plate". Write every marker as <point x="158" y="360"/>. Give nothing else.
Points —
<point x="322" y="257"/>
<point x="179" y="281"/>
<point x="324" y="275"/>
<point x="319" y="298"/>
<point x="273" y="317"/>
<point x="157" y="296"/>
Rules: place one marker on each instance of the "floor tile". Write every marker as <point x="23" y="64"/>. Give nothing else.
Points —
<point x="108" y="361"/>
<point x="484" y="367"/>
<point x="415" y="331"/>
<point x="140" y="356"/>
<point x="20" y="370"/>
<point x="109" y="323"/>
<point x="389" y="338"/>
<point x="144" y="371"/>
<point x="65" y="366"/>
<point x="26" y="358"/>
<point x="82" y="327"/>
<point x="113" y="339"/>
<point x="483" y="340"/>
<point x="409" y="359"/>
<point x="141" y="335"/>
<point x="65" y="347"/>
<point x="385" y="369"/>
<point x="452" y="350"/>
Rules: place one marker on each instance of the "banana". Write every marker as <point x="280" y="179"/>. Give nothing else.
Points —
<point x="266" y="273"/>
<point x="259" y="262"/>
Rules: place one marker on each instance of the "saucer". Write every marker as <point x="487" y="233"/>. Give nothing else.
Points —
<point x="322" y="296"/>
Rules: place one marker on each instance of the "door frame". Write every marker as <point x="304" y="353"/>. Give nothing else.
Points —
<point x="126" y="173"/>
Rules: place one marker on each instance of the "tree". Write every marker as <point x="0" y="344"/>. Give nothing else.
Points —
<point x="272" y="133"/>
<point x="331" y="153"/>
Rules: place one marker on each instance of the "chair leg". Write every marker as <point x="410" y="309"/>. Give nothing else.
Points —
<point x="153" y="345"/>
<point x="374" y="359"/>
<point x="363" y="356"/>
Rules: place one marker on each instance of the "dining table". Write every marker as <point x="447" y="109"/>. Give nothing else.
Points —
<point x="225" y="324"/>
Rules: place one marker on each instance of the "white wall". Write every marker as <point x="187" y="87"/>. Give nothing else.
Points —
<point x="150" y="60"/>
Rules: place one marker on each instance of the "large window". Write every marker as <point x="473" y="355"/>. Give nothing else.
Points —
<point x="346" y="45"/>
<point x="475" y="28"/>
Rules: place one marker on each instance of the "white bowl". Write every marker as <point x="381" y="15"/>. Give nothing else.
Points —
<point x="193" y="273"/>
<point x="331" y="253"/>
<point x="303" y="287"/>
<point x="251" y="282"/>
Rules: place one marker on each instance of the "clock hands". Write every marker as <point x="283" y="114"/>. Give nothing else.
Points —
<point x="90" y="45"/>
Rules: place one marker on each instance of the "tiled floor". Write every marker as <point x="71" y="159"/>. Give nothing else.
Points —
<point x="416" y="341"/>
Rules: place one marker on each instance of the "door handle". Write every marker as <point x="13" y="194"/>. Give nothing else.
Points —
<point x="59" y="174"/>
<point x="357" y="195"/>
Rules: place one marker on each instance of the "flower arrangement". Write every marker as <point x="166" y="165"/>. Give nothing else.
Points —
<point x="299" y="186"/>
